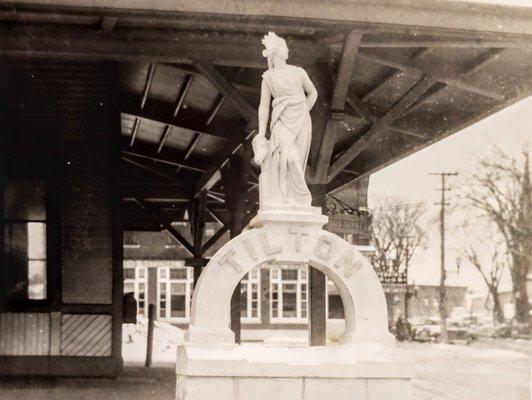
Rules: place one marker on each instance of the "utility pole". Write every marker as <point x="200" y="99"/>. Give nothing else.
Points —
<point x="443" y="274"/>
<point x="407" y="262"/>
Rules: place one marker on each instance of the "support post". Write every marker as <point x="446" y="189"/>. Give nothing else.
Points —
<point x="234" y="179"/>
<point x="197" y="226"/>
<point x="149" y="341"/>
<point x="317" y="283"/>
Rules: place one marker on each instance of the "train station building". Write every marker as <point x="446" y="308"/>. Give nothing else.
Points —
<point x="125" y="149"/>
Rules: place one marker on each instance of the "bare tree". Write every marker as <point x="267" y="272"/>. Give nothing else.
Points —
<point x="396" y="234"/>
<point x="501" y="190"/>
<point x="490" y="261"/>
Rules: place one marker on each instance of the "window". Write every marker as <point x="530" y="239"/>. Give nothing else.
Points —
<point x="249" y="297"/>
<point x="175" y="284"/>
<point x="135" y="281"/>
<point x="23" y="233"/>
<point x="289" y="294"/>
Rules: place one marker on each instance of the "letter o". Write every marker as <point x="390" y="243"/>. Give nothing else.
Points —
<point x="324" y="247"/>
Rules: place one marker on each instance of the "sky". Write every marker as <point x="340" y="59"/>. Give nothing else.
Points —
<point x="409" y="181"/>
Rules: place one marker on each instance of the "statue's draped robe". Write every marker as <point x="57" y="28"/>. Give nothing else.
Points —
<point x="282" y="178"/>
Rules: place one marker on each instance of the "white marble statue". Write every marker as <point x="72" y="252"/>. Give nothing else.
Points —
<point x="283" y="158"/>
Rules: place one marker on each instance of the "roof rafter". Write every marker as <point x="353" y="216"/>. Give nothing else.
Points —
<point x="212" y="241"/>
<point x="359" y="145"/>
<point x="476" y="65"/>
<point x="228" y="90"/>
<point x="436" y="73"/>
<point x="213" y="175"/>
<point x="338" y="99"/>
<point x="191" y="121"/>
<point x="180" y="239"/>
<point x="164" y="161"/>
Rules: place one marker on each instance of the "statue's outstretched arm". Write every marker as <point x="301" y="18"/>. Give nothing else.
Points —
<point x="260" y="144"/>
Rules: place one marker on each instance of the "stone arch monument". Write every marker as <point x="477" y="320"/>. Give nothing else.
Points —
<point x="287" y="229"/>
<point x="290" y="236"/>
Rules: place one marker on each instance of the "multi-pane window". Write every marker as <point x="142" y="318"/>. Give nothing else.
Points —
<point x="135" y="281"/>
<point x="289" y="293"/>
<point x="249" y="297"/>
<point x="23" y="237"/>
<point x="175" y="285"/>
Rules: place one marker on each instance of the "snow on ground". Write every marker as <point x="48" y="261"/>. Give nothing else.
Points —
<point x="485" y="370"/>
<point x="166" y="337"/>
<point x="482" y="371"/>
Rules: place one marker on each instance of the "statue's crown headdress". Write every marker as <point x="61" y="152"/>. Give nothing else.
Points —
<point x="271" y="42"/>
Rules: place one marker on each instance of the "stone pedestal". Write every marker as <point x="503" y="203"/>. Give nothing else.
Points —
<point x="364" y="367"/>
<point x="355" y="372"/>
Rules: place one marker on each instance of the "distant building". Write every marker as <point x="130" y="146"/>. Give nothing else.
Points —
<point x="425" y="300"/>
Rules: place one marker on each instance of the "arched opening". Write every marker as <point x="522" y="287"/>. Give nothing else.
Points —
<point x="358" y="286"/>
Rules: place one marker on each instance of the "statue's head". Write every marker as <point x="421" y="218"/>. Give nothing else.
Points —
<point x="275" y="47"/>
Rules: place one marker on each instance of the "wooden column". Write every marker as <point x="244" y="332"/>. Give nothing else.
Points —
<point x="234" y="178"/>
<point x="197" y="226"/>
<point x="317" y="283"/>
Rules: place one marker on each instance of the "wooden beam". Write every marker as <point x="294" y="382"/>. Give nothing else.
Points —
<point x="213" y="175"/>
<point x="147" y="86"/>
<point x="215" y="215"/>
<point x="178" y="191"/>
<point x="320" y="114"/>
<point x="345" y="71"/>
<point x="337" y="106"/>
<point x="458" y="44"/>
<point x="149" y="169"/>
<point x="192" y="120"/>
<point x="235" y="176"/>
<point x="107" y="24"/>
<point x="357" y="105"/>
<point x="134" y="131"/>
<point x="216" y="108"/>
<point x="214" y="239"/>
<point x="192" y="145"/>
<point x="435" y="72"/>
<point x="381" y="124"/>
<point x="476" y="65"/>
<point x="147" y="45"/>
<point x="327" y="147"/>
<point x="166" y="134"/>
<point x="407" y="133"/>
<point x="183" y="93"/>
<point x="180" y="239"/>
<point x="228" y="90"/>
<point x="163" y="160"/>
<point x="197" y="222"/>
<point x="396" y="75"/>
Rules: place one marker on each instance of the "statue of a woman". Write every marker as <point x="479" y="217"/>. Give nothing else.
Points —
<point x="283" y="159"/>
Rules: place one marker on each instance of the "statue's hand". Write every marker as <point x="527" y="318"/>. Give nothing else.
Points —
<point x="260" y="148"/>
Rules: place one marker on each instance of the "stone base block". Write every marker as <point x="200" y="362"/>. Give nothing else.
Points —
<point x="255" y="373"/>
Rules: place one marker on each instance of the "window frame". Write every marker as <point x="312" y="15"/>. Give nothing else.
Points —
<point x="136" y="281"/>
<point x="167" y="281"/>
<point x="280" y="283"/>
<point x="248" y="282"/>
<point x="52" y="286"/>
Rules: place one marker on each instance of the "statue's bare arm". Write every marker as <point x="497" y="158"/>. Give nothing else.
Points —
<point x="310" y="90"/>
<point x="264" y="108"/>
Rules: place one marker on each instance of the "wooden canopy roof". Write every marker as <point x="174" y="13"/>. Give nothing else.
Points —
<point x="190" y="80"/>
